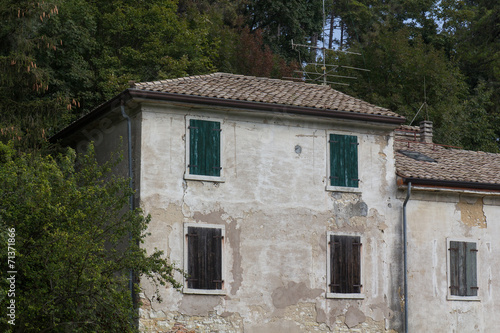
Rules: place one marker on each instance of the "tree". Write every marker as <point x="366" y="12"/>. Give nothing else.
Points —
<point x="75" y="242"/>
<point x="28" y="112"/>
<point x="406" y="75"/>
<point x="429" y="56"/>
<point x="284" y="21"/>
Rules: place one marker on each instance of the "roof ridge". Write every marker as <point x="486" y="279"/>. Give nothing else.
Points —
<point x="246" y="77"/>
<point x="230" y="86"/>
<point x="448" y="147"/>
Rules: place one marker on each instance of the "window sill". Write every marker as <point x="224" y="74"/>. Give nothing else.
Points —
<point x="220" y="292"/>
<point x="204" y="178"/>
<point x="343" y="189"/>
<point x="463" y="298"/>
<point x="351" y="296"/>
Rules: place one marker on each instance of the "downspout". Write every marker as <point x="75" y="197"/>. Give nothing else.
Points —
<point x="408" y="193"/>
<point x="131" y="198"/>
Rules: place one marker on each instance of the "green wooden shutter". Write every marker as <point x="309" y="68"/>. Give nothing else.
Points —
<point x="463" y="268"/>
<point x="343" y="160"/>
<point x="204" y="258"/>
<point x="345" y="264"/>
<point x="204" y="147"/>
<point x="471" y="269"/>
<point x="454" y="268"/>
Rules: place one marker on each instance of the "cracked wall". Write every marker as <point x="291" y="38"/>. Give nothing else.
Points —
<point x="276" y="214"/>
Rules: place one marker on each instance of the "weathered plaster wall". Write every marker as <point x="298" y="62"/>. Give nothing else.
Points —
<point x="276" y="214"/>
<point x="432" y="218"/>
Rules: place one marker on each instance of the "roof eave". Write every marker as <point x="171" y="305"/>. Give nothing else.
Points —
<point x="91" y="116"/>
<point x="450" y="184"/>
<point x="242" y="104"/>
<point x="129" y="94"/>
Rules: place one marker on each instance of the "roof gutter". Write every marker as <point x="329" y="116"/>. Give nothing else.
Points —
<point x="129" y="94"/>
<point x="451" y="184"/>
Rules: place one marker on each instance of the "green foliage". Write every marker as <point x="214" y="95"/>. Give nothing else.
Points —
<point x="284" y="21"/>
<point x="479" y="126"/>
<point x="427" y="54"/>
<point x="254" y="57"/>
<point x="76" y="243"/>
<point x="25" y="102"/>
<point x="404" y="74"/>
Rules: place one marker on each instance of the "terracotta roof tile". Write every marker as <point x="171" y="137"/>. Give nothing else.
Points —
<point x="265" y="90"/>
<point x="451" y="164"/>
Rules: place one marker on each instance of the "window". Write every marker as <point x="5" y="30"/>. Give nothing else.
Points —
<point x="462" y="274"/>
<point x="203" y="153"/>
<point x="344" y="266"/>
<point x="343" y="158"/>
<point x="203" y="259"/>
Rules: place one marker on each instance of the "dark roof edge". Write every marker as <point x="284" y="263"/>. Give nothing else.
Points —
<point x="240" y="104"/>
<point x="452" y="184"/>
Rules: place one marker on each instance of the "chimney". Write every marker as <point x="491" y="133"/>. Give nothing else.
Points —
<point x="426" y="131"/>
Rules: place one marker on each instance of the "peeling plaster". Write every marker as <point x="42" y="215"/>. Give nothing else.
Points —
<point x="234" y="236"/>
<point x="349" y="211"/>
<point x="354" y="317"/>
<point x="292" y="293"/>
<point x="198" y="305"/>
<point x="471" y="212"/>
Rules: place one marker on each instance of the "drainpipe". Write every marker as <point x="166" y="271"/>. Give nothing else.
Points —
<point x="131" y="198"/>
<point x="408" y="193"/>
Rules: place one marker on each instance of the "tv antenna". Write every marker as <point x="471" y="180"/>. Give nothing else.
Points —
<point x="322" y="72"/>
<point x="423" y="104"/>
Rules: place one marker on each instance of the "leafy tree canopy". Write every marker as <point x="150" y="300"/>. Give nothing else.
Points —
<point x="75" y="242"/>
<point x="442" y="55"/>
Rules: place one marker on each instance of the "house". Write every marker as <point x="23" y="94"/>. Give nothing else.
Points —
<point x="453" y="224"/>
<point x="284" y="202"/>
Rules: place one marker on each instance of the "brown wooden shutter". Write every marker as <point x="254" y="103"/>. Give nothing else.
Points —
<point x="345" y="264"/>
<point x="204" y="258"/>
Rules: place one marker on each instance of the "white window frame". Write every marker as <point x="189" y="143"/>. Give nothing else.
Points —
<point x="449" y="296"/>
<point x="328" y="182"/>
<point x="189" y="176"/>
<point x="185" y="288"/>
<point x="329" y="294"/>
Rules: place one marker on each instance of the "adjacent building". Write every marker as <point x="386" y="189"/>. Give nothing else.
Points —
<point x="453" y="220"/>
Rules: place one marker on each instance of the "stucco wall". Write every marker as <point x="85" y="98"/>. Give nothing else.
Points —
<point x="276" y="214"/>
<point x="432" y="218"/>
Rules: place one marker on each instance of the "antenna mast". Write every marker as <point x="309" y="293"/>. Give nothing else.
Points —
<point x="321" y="72"/>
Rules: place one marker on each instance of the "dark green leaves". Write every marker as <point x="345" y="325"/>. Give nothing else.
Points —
<point x="76" y="243"/>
